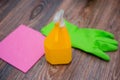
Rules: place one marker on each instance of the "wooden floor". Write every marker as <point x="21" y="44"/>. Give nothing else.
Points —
<point x="100" y="14"/>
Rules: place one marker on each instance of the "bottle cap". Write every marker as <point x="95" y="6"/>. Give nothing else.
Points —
<point x="59" y="18"/>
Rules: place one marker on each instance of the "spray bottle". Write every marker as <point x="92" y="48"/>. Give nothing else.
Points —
<point x="57" y="44"/>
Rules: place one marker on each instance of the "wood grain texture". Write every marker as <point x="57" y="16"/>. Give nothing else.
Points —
<point x="100" y="14"/>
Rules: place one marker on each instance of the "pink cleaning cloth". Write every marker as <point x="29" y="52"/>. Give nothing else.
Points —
<point x="22" y="48"/>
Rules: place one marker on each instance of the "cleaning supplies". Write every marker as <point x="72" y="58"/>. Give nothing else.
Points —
<point x="57" y="44"/>
<point x="93" y="41"/>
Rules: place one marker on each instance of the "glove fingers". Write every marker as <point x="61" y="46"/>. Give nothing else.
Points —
<point x="104" y="46"/>
<point x="97" y="52"/>
<point x="107" y="40"/>
<point x="103" y="33"/>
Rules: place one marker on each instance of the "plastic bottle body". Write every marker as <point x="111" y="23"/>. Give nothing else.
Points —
<point x="58" y="46"/>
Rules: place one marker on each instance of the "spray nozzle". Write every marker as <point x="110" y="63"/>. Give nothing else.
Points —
<point x="59" y="18"/>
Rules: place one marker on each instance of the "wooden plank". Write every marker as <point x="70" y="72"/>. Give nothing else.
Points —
<point x="6" y="6"/>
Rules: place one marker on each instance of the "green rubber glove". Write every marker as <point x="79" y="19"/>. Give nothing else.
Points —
<point x="92" y="41"/>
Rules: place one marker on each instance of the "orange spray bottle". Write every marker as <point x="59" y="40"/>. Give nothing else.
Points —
<point x="57" y="44"/>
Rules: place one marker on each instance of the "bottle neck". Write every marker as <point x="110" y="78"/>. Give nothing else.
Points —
<point x="58" y="24"/>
